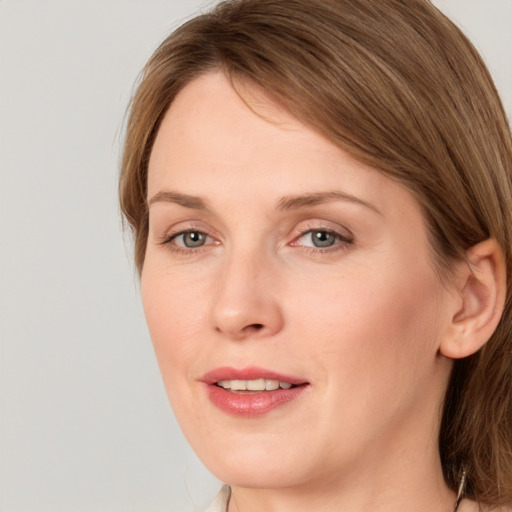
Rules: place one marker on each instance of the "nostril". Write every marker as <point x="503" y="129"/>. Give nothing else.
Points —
<point x="254" y="327"/>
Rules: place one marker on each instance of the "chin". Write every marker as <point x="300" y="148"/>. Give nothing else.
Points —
<point x="255" y="463"/>
<point x="251" y="476"/>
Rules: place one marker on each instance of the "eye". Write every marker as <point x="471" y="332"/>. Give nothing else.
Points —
<point x="322" y="239"/>
<point x="190" y="239"/>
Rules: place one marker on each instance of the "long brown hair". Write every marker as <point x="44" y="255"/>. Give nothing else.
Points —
<point x="398" y="86"/>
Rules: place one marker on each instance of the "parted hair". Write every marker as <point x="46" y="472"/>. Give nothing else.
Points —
<point x="399" y="87"/>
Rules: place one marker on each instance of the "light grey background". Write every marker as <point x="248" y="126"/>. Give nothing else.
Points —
<point x="84" y="421"/>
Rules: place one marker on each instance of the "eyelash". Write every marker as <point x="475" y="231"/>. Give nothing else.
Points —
<point x="169" y="239"/>
<point x="342" y="241"/>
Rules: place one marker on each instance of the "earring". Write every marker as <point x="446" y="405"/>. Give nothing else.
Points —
<point x="462" y="488"/>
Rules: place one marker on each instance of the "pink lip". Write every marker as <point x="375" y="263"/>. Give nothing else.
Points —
<point x="251" y="404"/>
<point x="250" y="373"/>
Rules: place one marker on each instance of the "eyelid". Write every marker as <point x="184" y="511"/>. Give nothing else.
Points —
<point x="176" y="235"/>
<point x="342" y="237"/>
<point x="323" y="225"/>
<point x="182" y="228"/>
<point x="343" y="234"/>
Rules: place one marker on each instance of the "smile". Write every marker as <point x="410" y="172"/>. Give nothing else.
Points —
<point x="251" y="392"/>
<point x="253" y="385"/>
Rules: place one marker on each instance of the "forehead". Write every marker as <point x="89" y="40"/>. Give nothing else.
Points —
<point x="214" y="141"/>
<point x="210" y="119"/>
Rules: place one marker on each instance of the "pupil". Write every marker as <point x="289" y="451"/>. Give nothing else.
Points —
<point x="323" y="239"/>
<point x="193" y="239"/>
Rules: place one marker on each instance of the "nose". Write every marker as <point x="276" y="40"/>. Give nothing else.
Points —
<point x="245" y="303"/>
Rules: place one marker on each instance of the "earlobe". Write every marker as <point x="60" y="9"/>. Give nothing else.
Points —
<point x="481" y="284"/>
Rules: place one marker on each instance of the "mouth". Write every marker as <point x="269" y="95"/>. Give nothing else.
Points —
<point x="251" y="392"/>
<point x="254" y="385"/>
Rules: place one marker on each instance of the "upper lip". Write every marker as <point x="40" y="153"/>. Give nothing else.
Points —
<point x="249" y="373"/>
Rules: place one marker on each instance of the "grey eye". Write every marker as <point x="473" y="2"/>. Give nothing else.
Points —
<point x="323" y="238"/>
<point x="191" y="239"/>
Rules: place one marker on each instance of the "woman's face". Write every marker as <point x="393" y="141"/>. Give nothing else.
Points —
<point x="290" y="295"/>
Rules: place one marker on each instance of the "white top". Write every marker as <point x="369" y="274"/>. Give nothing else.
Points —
<point x="220" y="503"/>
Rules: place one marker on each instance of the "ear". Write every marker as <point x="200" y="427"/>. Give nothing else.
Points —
<point x="481" y="286"/>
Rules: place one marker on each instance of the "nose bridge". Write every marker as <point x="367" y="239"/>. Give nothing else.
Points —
<point x="245" y="303"/>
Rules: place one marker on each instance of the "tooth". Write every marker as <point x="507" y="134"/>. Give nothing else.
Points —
<point x="271" y="385"/>
<point x="256" y="385"/>
<point x="238" y="385"/>
<point x="253" y="385"/>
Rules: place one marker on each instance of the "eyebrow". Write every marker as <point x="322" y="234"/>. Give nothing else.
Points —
<point x="293" y="202"/>
<point x="301" y="201"/>
<point x="185" y="200"/>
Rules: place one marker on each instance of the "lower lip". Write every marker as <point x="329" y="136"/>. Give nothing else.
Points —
<point x="251" y="404"/>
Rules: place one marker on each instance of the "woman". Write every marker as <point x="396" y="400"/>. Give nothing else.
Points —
<point x="320" y="195"/>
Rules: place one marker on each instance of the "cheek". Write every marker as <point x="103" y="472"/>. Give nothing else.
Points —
<point x="175" y="314"/>
<point x="375" y="352"/>
<point x="377" y="326"/>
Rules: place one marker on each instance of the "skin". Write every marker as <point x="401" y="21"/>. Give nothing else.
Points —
<point x="362" y="321"/>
